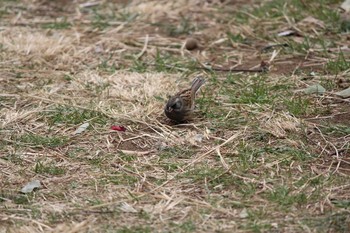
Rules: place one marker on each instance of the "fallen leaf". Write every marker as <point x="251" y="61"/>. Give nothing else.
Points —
<point x="81" y="128"/>
<point x="31" y="186"/>
<point x="198" y="137"/>
<point x="287" y="33"/>
<point x="138" y="153"/>
<point x="317" y="88"/>
<point x="344" y="93"/>
<point x="125" y="207"/>
<point x="244" y="213"/>
<point x="118" y="128"/>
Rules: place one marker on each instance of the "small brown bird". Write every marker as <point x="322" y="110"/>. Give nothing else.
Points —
<point x="180" y="107"/>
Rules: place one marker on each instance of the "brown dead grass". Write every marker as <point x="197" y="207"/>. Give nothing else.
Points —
<point x="203" y="176"/>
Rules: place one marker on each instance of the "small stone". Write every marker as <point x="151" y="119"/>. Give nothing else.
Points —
<point x="191" y="44"/>
<point x="244" y="213"/>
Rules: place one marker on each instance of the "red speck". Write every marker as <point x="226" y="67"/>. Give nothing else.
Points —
<point x="118" y="128"/>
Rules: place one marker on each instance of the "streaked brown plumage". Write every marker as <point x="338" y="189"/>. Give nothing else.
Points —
<point x="180" y="107"/>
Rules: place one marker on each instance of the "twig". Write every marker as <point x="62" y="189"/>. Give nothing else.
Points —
<point x="143" y="49"/>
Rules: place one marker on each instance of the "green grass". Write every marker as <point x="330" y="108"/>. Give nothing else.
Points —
<point x="108" y="66"/>
<point x="135" y="229"/>
<point x="251" y="90"/>
<point x="338" y="65"/>
<point x="298" y="106"/>
<point x="101" y="19"/>
<point x="42" y="141"/>
<point x="121" y="178"/>
<point x="50" y="169"/>
<point x="57" y="25"/>
<point x="185" y="227"/>
<point x="183" y="27"/>
<point x="336" y="130"/>
<point x="283" y="196"/>
<point x="73" y="116"/>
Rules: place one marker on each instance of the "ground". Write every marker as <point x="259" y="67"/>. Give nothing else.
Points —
<point x="260" y="154"/>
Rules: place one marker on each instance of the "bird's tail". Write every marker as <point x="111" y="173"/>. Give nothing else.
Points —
<point x="196" y="84"/>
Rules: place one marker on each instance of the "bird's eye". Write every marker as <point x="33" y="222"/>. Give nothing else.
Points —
<point x="176" y="105"/>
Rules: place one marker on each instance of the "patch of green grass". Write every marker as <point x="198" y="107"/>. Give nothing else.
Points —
<point x="102" y="18"/>
<point x="248" y="156"/>
<point x="242" y="16"/>
<point x="345" y="26"/>
<point x="50" y="169"/>
<point x="209" y="107"/>
<point x="335" y="130"/>
<point x="55" y="217"/>
<point x="338" y="65"/>
<point x="244" y="188"/>
<point x="73" y="116"/>
<point x="67" y="77"/>
<point x="302" y="47"/>
<point x="339" y="222"/>
<point x="94" y="201"/>
<point x="185" y="227"/>
<point x="76" y="151"/>
<point x="176" y="152"/>
<point x="18" y="198"/>
<point x="165" y="62"/>
<point x="108" y="66"/>
<point x="13" y="158"/>
<point x="237" y="38"/>
<point x="97" y="161"/>
<point x="298" y="106"/>
<point x="57" y="25"/>
<point x="214" y="176"/>
<point x="170" y="167"/>
<point x="3" y="12"/>
<point x="138" y="66"/>
<point x="122" y="178"/>
<point x="329" y="83"/>
<point x="270" y="9"/>
<point x="297" y="154"/>
<point x="22" y="199"/>
<point x="253" y="90"/>
<point x="256" y="226"/>
<point x="135" y="229"/>
<point x="184" y="27"/>
<point x="344" y="203"/>
<point x="144" y="215"/>
<point x="126" y="157"/>
<point x="323" y="10"/>
<point x="283" y="196"/>
<point x="308" y="44"/>
<point x="298" y="10"/>
<point x="336" y="222"/>
<point x="200" y="173"/>
<point x="44" y="141"/>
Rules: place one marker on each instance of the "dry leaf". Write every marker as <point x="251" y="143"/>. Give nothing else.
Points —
<point x="81" y="128"/>
<point x="28" y="188"/>
<point x="344" y="93"/>
<point x="317" y="88"/>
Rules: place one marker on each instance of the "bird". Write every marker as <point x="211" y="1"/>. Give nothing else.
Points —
<point x="180" y="106"/>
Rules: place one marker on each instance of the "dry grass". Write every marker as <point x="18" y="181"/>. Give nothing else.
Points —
<point x="260" y="156"/>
